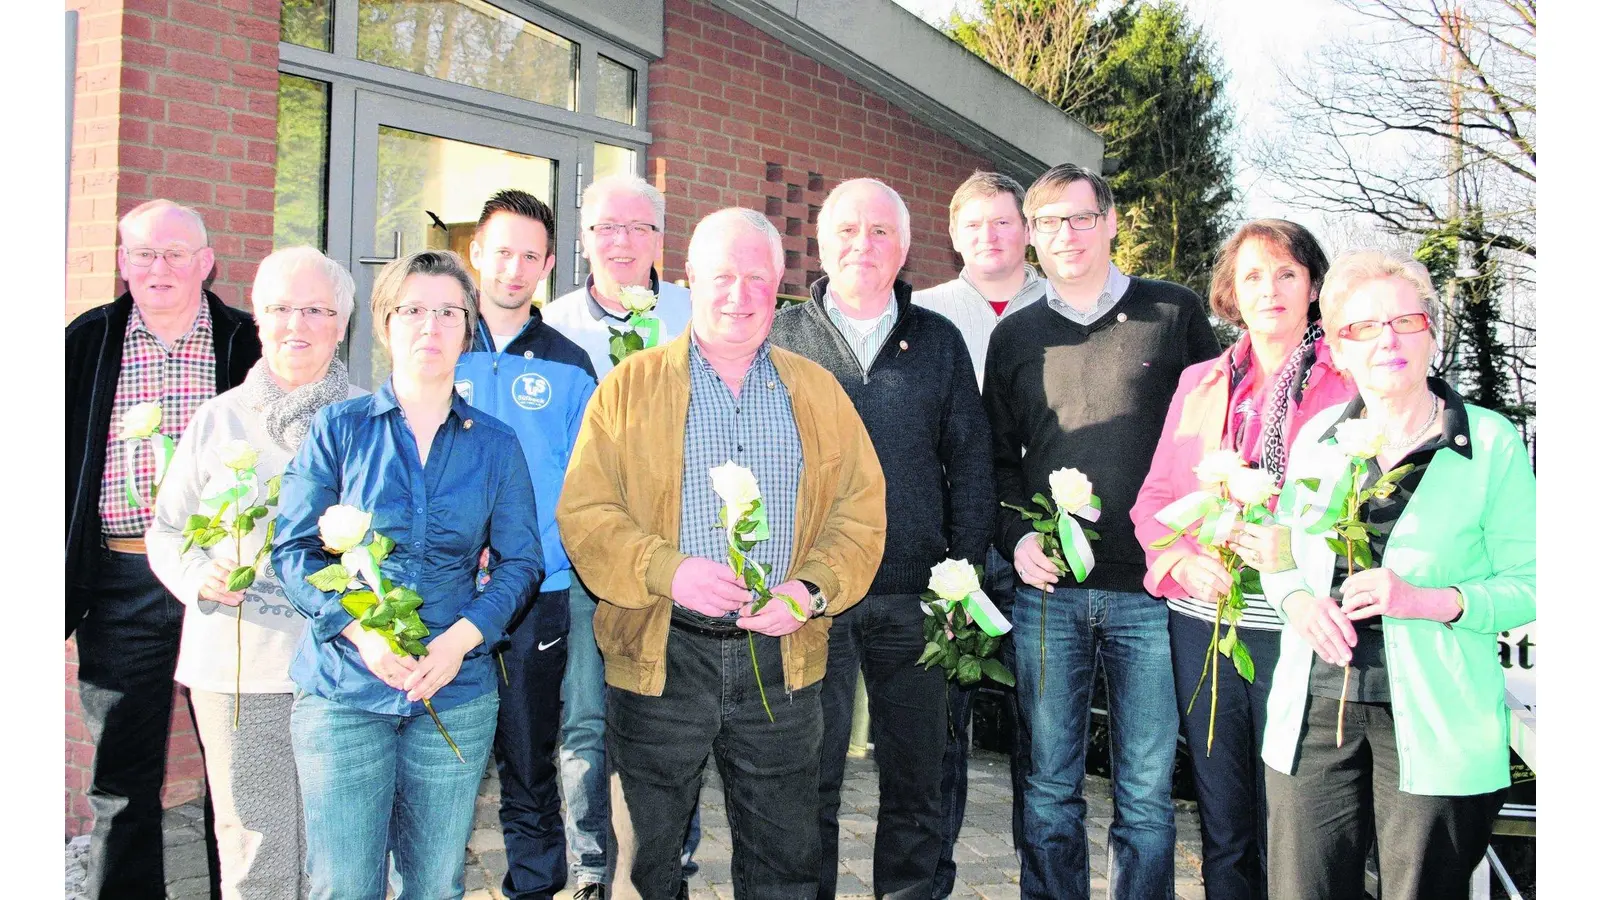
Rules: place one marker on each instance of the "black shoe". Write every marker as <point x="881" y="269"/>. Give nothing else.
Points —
<point x="683" y="890"/>
<point x="594" y="890"/>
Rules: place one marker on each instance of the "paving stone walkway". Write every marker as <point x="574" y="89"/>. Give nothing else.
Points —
<point x="986" y="859"/>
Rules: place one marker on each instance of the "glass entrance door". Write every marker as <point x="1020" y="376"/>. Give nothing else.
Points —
<point x="422" y="174"/>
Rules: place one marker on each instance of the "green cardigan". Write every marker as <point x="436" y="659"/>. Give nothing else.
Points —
<point x="1469" y="525"/>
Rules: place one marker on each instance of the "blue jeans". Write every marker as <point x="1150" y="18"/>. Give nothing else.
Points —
<point x="1127" y="634"/>
<point x="525" y="749"/>
<point x="371" y="783"/>
<point x="583" y="751"/>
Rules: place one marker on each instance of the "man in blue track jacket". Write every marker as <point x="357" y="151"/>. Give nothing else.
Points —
<point x="522" y="372"/>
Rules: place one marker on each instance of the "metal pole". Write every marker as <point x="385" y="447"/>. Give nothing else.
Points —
<point x="72" y="79"/>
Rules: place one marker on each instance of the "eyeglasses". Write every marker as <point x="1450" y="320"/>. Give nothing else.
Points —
<point x="145" y="257"/>
<point x="1410" y="323"/>
<point x="607" y="229"/>
<point x="1079" y="222"/>
<point x="283" y="313"/>
<point x="448" y="316"/>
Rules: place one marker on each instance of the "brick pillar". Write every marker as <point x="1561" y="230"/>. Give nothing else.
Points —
<point x="174" y="99"/>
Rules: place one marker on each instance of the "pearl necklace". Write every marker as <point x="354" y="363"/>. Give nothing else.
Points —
<point x="1409" y="441"/>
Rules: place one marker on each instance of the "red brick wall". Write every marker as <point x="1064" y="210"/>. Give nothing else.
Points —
<point x="741" y="119"/>
<point x="174" y="99"/>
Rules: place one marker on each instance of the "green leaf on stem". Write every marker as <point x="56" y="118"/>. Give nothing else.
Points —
<point x="997" y="672"/>
<point x="1226" y="642"/>
<point x="241" y="578"/>
<point x="968" y="670"/>
<point x="1242" y="662"/>
<point x="274" y="484"/>
<point x="794" y="607"/>
<point x="1162" y="543"/>
<point x="356" y="603"/>
<point x="931" y="653"/>
<point x="380" y="547"/>
<point x="1310" y="484"/>
<point x="196" y="522"/>
<point x="333" y="578"/>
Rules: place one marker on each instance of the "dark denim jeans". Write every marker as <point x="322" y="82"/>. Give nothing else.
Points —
<point x="127" y="653"/>
<point x="658" y="747"/>
<point x="372" y="784"/>
<point x="882" y="637"/>
<point x="1126" y="633"/>
<point x="583" y="753"/>
<point x="1231" y="782"/>
<point x="1339" y="800"/>
<point x="524" y="750"/>
<point x="999" y="583"/>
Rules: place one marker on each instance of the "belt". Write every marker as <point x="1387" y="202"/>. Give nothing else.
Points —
<point x="125" y="545"/>
<point x="717" y="631"/>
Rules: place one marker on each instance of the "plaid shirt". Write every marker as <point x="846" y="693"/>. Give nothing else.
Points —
<point x="180" y="379"/>
<point x="755" y="430"/>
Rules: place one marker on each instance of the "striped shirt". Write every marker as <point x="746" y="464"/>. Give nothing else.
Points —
<point x="1258" y="613"/>
<point x="1116" y="285"/>
<point x="756" y="430"/>
<point x="960" y="301"/>
<point x="865" y="344"/>
<point x="180" y="378"/>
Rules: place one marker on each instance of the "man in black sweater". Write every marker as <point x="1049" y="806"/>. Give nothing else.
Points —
<point x="1083" y="381"/>
<point x="908" y="373"/>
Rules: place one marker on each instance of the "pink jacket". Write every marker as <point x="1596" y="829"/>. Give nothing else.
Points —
<point x="1195" y="424"/>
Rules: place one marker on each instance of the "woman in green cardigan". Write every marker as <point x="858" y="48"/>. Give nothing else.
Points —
<point x="1386" y="721"/>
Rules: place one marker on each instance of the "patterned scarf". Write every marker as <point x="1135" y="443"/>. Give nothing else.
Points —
<point x="1289" y="381"/>
<point x="288" y="415"/>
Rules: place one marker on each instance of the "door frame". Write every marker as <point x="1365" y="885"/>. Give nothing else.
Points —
<point x="366" y="252"/>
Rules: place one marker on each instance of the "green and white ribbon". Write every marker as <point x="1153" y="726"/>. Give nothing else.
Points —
<point x="1204" y="507"/>
<point x="647" y="327"/>
<point x="1317" y="510"/>
<point x="1074" y="543"/>
<point x="980" y="609"/>
<point x="360" y="562"/>
<point x="1214" y="530"/>
<point x="241" y="492"/>
<point x="163" y="447"/>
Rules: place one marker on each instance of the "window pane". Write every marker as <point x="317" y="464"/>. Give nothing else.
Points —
<point x="614" y="91"/>
<point x="300" y="212"/>
<point x="472" y="43"/>
<point x="308" y="23"/>
<point x="431" y="190"/>
<point x="609" y="160"/>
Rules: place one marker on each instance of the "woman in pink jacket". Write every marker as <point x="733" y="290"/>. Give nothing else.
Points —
<point x="1252" y="399"/>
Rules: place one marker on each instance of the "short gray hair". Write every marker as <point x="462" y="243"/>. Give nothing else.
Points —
<point x="627" y="183"/>
<point x="738" y="217"/>
<point x="151" y="206"/>
<point x="274" y="273"/>
<point x="825" y="215"/>
<point x="1355" y="268"/>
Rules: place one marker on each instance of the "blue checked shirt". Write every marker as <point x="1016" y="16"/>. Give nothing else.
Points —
<point x="755" y="430"/>
<point x="864" y="346"/>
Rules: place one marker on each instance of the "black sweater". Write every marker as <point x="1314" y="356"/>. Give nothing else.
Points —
<point x="94" y="361"/>
<point x="920" y="403"/>
<point x="1093" y="399"/>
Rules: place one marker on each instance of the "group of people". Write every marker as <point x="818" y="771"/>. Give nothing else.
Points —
<point x="594" y="593"/>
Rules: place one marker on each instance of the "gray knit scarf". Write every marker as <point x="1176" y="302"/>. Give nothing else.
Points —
<point x="288" y="415"/>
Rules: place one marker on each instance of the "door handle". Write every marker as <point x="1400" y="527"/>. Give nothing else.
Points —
<point x="380" y="260"/>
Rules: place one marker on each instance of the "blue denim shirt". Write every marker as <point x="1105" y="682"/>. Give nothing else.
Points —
<point x="474" y="492"/>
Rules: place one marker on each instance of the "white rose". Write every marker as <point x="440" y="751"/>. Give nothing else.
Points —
<point x="238" y="455"/>
<point x="343" y="528"/>
<point x="1252" y="487"/>
<point x="737" y="487"/>
<point x="1070" y="489"/>
<point x="636" y="299"/>
<point x="140" y="421"/>
<point x="1217" y="467"/>
<point x="1358" y="438"/>
<point x="954" y="579"/>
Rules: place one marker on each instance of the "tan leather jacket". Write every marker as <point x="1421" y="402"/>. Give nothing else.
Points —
<point x="621" y="503"/>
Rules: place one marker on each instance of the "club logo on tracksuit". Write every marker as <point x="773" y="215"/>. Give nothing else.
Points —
<point x="530" y="391"/>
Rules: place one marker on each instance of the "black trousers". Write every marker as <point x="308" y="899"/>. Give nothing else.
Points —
<point x="535" y="659"/>
<point x="882" y="638"/>
<point x="658" y="747"/>
<point x="127" y="653"/>
<point x="1230" y="782"/>
<point x="1325" y="815"/>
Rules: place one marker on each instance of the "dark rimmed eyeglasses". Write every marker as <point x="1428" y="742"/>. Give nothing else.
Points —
<point x="1366" y="330"/>
<point x="1079" y="222"/>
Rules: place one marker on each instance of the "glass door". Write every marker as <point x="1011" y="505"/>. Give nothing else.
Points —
<point x="422" y="174"/>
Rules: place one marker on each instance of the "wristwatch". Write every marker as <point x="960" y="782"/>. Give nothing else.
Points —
<point x="819" y="603"/>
